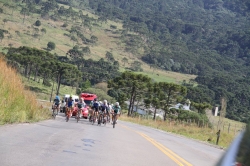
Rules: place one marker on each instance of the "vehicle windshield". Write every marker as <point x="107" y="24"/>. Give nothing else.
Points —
<point x="87" y="101"/>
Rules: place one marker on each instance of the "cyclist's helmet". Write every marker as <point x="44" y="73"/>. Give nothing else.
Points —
<point x="117" y="104"/>
<point x="105" y="101"/>
<point x="57" y="97"/>
<point x="95" y="99"/>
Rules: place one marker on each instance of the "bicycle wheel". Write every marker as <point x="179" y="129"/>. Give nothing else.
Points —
<point x="104" y="120"/>
<point x="114" y="121"/>
<point x="93" y="120"/>
<point x="67" y="117"/>
<point x="77" y="118"/>
<point x="53" y="114"/>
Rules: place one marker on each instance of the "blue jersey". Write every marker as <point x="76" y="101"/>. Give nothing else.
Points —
<point x="70" y="103"/>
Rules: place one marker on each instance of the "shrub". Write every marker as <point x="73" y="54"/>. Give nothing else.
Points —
<point x="38" y="23"/>
<point x="51" y="45"/>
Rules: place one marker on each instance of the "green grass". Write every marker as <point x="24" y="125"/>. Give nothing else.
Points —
<point x="43" y="92"/>
<point x="106" y="41"/>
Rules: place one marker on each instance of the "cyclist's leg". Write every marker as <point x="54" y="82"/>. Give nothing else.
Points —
<point x="57" y="108"/>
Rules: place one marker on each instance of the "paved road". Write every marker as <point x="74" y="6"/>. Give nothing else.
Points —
<point x="60" y="143"/>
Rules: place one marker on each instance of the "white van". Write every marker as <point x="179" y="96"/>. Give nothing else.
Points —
<point x="74" y="97"/>
<point x="63" y="104"/>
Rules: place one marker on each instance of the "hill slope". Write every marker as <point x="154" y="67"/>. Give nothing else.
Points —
<point x="26" y="34"/>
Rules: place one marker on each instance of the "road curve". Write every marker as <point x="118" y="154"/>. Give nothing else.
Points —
<point x="56" y="142"/>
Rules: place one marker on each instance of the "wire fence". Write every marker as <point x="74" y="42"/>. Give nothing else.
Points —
<point x="224" y="127"/>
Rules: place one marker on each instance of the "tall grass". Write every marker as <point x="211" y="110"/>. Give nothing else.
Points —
<point x="17" y="105"/>
<point x="190" y="130"/>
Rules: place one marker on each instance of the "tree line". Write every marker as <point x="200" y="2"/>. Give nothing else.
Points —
<point x="139" y="88"/>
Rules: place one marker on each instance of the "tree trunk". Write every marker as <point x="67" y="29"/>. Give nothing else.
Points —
<point x="44" y="77"/>
<point x="26" y="71"/>
<point x="154" y="114"/>
<point x="59" y="83"/>
<point x="52" y="90"/>
<point x="130" y="102"/>
<point x="30" y="69"/>
<point x="36" y="73"/>
<point x="133" y="102"/>
<point x="168" y="99"/>
<point x="165" y="115"/>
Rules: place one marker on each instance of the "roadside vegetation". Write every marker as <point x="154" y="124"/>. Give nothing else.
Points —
<point x="191" y="130"/>
<point x="17" y="104"/>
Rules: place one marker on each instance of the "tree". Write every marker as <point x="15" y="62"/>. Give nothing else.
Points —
<point x="13" y="7"/>
<point x="201" y="107"/>
<point x="94" y="39"/>
<point x="62" y="70"/>
<point x="86" y="50"/>
<point x="124" y="60"/>
<point x="51" y="46"/>
<point x="110" y="56"/>
<point x="43" y="30"/>
<point x="38" y="23"/>
<point x="86" y="84"/>
<point x="168" y="94"/>
<point x="4" y="21"/>
<point x="132" y="84"/>
<point x="152" y="98"/>
<point x="136" y="66"/>
<point x="24" y="12"/>
<point x="73" y="39"/>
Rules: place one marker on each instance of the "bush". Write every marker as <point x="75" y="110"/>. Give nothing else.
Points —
<point x="113" y="27"/>
<point x="51" y="45"/>
<point x="38" y="23"/>
<point x="184" y="115"/>
<point x="65" y="25"/>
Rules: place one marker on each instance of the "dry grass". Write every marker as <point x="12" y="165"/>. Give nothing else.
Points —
<point x="17" y="104"/>
<point x="189" y="130"/>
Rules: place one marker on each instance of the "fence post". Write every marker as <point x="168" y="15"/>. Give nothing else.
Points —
<point x="218" y="137"/>
<point x="235" y="129"/>
<point x="229" y="128"/>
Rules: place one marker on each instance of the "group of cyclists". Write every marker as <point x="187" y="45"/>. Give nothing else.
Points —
<point x="94" y="108"/>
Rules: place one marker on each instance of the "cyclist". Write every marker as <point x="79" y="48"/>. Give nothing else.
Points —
<point x="95" y="107"/>
<point x="81" y="104"/>
<point x="70" y="105"/>
<point x="116" y="108"/>
<point x="110" y="106"/>
<point x="56" y="103"/>
<point x="104" y="107"/>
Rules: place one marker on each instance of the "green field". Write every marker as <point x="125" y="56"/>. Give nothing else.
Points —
<point x="21" y="34"/>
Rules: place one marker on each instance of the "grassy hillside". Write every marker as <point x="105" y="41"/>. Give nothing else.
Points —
<point x="17" y="104"/>
<point x="43" y="92"/>
<point x="22" y="34"/>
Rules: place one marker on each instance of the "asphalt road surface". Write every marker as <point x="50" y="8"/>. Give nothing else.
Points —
<point x="60" y="143"/>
